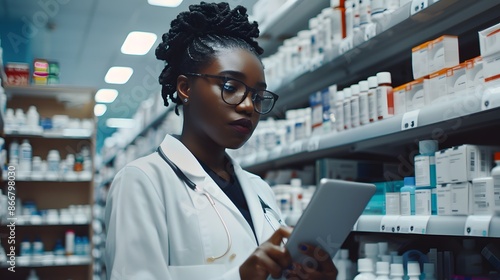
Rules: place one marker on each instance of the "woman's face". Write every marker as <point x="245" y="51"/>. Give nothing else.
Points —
<point x="229" y="126"/>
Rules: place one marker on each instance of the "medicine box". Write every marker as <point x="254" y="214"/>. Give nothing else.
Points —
<point x="468" y="162"/>
<point x="443" y="53"/>
<point x="491" y="67"/>
<point x="419" y="60"/>
<point x="392" y="197"/>
<point x="437" y="88"/>
<point x="489" y="40"/>
<point x="461" y="198"/>
<point x="443" y="195"/>
<point x="475" y="75"/>
<point x="483" y="195"/>
<point x="456" y="79"/>
<point x="400" y="100"/>
<point x="415" y="95"/>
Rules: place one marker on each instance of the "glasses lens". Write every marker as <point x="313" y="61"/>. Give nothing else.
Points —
<point x="233" y="93"/>
<point x="263" y="101"/>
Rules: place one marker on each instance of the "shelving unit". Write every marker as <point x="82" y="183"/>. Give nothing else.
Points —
<point x="455" y="121"/>
<point x="54" y="192"/>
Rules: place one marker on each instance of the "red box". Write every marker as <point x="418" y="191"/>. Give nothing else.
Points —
<point x="17" y="73"/>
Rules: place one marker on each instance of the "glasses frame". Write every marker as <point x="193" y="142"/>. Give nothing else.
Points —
<point x="247" y="90"/>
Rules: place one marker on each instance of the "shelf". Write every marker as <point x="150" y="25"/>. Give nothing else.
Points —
<point x="44" y="224"/>
<point x="436" y="225"/>
<point x="44" y="261"/>
<point x="68" y="133"/>
<point x="54" y="178"/>
<point x="69" y="94"/>
<point x="449" y="116"/>
<point x="289" y="19"/>
<point x="391" y="47"/>
<point x="154" y="123"/>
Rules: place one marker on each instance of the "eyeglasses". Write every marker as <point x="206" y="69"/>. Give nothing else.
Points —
<point x="234" y="91"/>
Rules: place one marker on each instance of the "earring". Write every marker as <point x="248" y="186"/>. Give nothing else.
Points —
<point x="185" y="100"/>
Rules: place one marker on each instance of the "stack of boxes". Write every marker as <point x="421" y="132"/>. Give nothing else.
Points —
<point x="489" y="43"/>
<point x="459" y="170"/>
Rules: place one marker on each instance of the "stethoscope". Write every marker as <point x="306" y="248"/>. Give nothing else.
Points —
<point x="266" y="208"/>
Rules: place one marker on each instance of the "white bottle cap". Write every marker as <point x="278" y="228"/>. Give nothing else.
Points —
<point x="339" y="96"/>
<point x="386" y="258"/>
<point x="397" y="269"/>
<point x="332" y="88"/>
<point x="313" y="23"/>
<point x="347" y="93"/>
<point x="296" y="182"/>
<point x="355" y="89"/>
<point x="365" y="265"/>
<point x="363" y="86"/>
<point x="327" y="12"/>
<point x="371" y="249"/>
<point x="382" y="268"/>
<point x="334" y="3"/>
<point x="427" y="146"/>
<point x="397" y="259"/>
<point x="304" y="34"/>
<point x="384" y="78"/>
<point x="372" y="82"/>
<point x="413" y="269"/>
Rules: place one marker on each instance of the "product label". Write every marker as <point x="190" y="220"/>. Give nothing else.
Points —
<point x="372" y="105"/>
<point x="385" y="102"/>
<point x="422" y="171"/>
<point x="480" y="199"/>
<point x="392" y="203"/>
<point x="423" y="202"/>
<point x="364" y="117"/>
<point x="496" y="191"/>
<point x="405" y="203"/>
<point x="339" y="116"/>
<point x="355" y="112"/>
<point x="347" y="114"/>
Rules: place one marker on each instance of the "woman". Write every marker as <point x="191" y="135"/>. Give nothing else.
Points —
<point x="189" y="211"/>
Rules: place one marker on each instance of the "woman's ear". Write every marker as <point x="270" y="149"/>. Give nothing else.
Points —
<point x="183" y="88"/>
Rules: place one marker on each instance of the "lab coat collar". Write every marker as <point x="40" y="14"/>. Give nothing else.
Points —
<point x="187" y="162"/>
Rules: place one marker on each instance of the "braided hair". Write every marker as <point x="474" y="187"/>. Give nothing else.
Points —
<point x="193" y="37"/>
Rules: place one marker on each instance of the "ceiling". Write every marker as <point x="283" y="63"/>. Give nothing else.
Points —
<point x="85" y="37"/>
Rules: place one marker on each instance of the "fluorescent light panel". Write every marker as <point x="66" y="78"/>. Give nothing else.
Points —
<point x="138" y="43"/>
<point x="106" y="95"/>
<point x="118" y="75"/>
<point x="100" y="109"/>
<point x="120" y="123"/>
<point x="165" y="3"/>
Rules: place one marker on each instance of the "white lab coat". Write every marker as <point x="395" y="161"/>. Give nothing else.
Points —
<point x="158" y="228"/>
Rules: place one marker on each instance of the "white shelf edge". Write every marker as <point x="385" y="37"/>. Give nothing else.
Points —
<point x="437" y="225"/>
<point x="46" y="224"/>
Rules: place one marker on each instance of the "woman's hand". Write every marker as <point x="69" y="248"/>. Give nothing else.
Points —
<point x="316" y="265"/>
<point x="268" y="258"/>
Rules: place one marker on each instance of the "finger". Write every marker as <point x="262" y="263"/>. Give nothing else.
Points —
<point x="279" y="234"/>
<point x="268" y="263"/>
<point x="279" y="254"/>
<point x="320" y="259"/>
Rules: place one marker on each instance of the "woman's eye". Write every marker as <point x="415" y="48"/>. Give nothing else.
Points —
<point x="229" y="88"/>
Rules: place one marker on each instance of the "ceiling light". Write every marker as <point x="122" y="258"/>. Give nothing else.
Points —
<point x="100" y="109"/>
<point x="138" y="43"/>
<point x="120" y="123"/>
<point x="106" y="95"/>
<point x="118" y="75"/>
<point x="165" y="3"/>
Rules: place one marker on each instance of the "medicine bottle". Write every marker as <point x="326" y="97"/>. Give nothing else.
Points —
<point x="339" y="110"/>
<point x="372" y="98"/>
<point x="355" y="105"/>
<point x="408" y="197"/>
<point x="385" y="96"/>
<point x="495" y="173"/>
<point x="413" y="271"/>
<point x="365" y="270"/>
<point x="382" y="271"/>
<point x="425" y="178"/>
<point x="364" y="117"/>
<point x="397" y="271"/>
<point x="347" y="108"/>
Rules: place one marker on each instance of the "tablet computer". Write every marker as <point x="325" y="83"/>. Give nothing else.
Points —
<point x="330" y="216"/>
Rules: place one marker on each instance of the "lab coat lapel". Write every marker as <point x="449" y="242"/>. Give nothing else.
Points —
<point x="252" y="197"/>
<point x="187" y="163"/>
